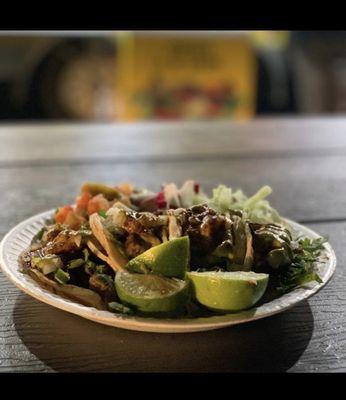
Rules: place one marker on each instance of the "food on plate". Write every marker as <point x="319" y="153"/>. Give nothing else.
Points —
<point x="173" y="253"/>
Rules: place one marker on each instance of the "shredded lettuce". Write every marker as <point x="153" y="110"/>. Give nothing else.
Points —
<point x="224" y="200"/>
<point x="258" y="196"/>
<point x="256" y="207"/>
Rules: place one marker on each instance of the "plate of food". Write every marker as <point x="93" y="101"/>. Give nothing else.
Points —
<point x="176" y="260"/>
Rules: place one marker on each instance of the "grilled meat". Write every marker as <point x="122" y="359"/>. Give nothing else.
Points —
<point x="67" y="241"/>
<point x="134" y="245"/>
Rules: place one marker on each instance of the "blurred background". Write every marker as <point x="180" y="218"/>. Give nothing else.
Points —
<point x="134" y="76"/>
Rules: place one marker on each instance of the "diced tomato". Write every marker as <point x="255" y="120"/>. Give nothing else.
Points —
<point x="160" y="200"/>
<point x="73" y="220"/>
<point x="148" y="203"/>
<point x="125" y="188"/>
<point x="83" y="200"/>
<point x="196" y="188"/>
<point x="97" y="203"/>
<point x="61" y="215"/>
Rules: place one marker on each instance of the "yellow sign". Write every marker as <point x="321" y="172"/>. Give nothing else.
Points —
<point x="185" y="78"/>
<point x="270" y="39"/>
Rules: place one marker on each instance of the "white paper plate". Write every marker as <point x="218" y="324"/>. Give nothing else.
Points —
<point x="19" y="238"/>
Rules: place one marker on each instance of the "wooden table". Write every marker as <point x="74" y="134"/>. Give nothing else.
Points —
<point x="304" y="160"/>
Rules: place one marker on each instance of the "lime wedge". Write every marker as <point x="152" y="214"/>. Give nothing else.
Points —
<point x="149" y="293"/>
<point x="169" y="259"/>
<point x="228" y="291"/>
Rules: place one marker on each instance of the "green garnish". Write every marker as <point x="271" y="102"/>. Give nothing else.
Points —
<point x="38" y="236"/>
<point x="47" y="264"/>
<point x="35" y="261"/>
<point x="86" y="254"/>
<point x="313" y="246"/>
<point x="90" y="267"/>
<point x="78" y="262"/>
<point x="61" y="276"/>
<point x="102" y="213"/>
<point x="120" y="308"/>
<point x="301" y="271"/>
<point x="101" y="269"/>
<point x="105" y="279"/>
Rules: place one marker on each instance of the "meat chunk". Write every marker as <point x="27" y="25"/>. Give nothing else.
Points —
<point x="66" y="241"/>
<point x="52" y="232"/>
<point x="103" y="285"/>
<point x="210" y="225"/>
<point x="134" y="245"/>
<point x="132" y="225"/>
<point x="205" y="228"/>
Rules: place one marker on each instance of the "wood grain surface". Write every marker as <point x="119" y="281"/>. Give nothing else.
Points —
<point x="304" y="160"/>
